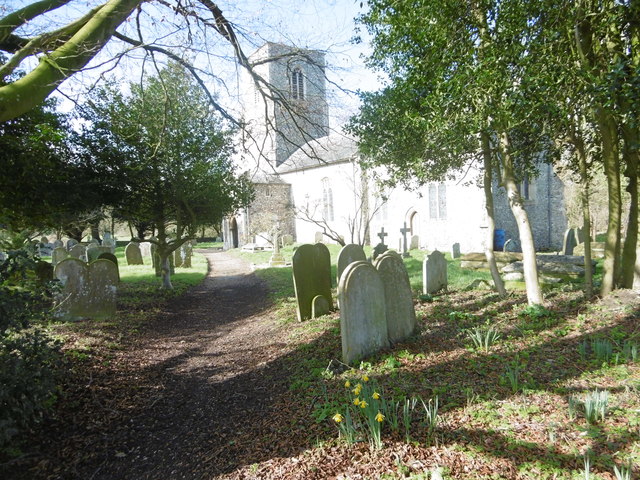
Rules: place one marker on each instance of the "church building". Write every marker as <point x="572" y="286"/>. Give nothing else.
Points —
<point x="309" y="183"/>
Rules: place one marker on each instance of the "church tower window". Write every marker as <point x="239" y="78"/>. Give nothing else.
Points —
<point x="327" y="200"/>
<point x="297" y="84"/>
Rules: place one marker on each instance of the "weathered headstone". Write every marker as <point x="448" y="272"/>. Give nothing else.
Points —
<point x="286" y="240"/>
<point x="44" y="271"/>
<point x="74" y="277"/>
<point x="455" y="250"/>
<point x="72" y="242"/>
<point x="569" y="242"/>
<point x="112" y="258"/>
<point x="58" y="243"/>
<point x="58" y="254"/>
<point x="277" y="259"/>
<point x="44" y="240"/>
<point x="79" y="251"/>
<point x="319" y="306"/>
<point x="94" y="252"/>
<point x="579" y="235"/>
<point x="133" y="254"/>
<point x="94" y="241"/>
<point x="434" y="273"/>
<point x="311" y="277"/>
<point x="349" y="254"/>
<point x="145" y="249"/>
<point x="109" y="241"/>
<point x="403" y="231"/>
<point x="318" y="237"/>
<point x="103" y="281"/>
<point x="46" y="249"/>
<point x="363" y="322"/>
<point x="400" y="312"/>
<point x="415" y="242"/>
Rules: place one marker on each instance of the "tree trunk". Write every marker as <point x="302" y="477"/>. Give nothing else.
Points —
<point x="630" y="157"/>
<point x="611" y="161"/>
<point x="491" y="224"/>
<point x="534" y="293"/>
<point x="586" y="215"/>
<point x="166" y="271"/>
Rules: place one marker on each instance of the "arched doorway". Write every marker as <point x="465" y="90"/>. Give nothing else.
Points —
<point x="233" y="228"/>
<point x="414" y="223"/>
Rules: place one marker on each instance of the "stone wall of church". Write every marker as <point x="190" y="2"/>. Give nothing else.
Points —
<point x="272" y="204"/>
<point x="545" y="207"/>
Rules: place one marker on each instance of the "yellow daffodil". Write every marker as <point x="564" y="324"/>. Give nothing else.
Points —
<point x="357" y="390"/>
<point x="365" y="378"/>
<point x="338" y="418"/>
<point x="379" y="417"/>
<point x="356" y="401"/>
<point x="376" y="396"/>
<point x="347" y="384"/>
<point x="363" y="404"/>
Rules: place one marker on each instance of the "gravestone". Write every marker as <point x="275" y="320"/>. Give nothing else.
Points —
<point x="3" y="256"/>
<point x="44" y="240"/>
<point x="349" y="254"/>
<point x="58" y="254"/>
<point x="188" y="253"/>
<point x="455" y="250"/>
<point x="415" y="242"/>
<point x="277" y="259"/>
<point x="94" y="252"/>
<point x="434" y="273"/>
<point x="318" y="237"/>
<point x="44" y="271"/>
<point x="379" y="249"/>
<point x="145" y="249"/>
<point x="579" y="235"/>
<point x="58" y="243"/>
<point x="133" y="254"/>
<point x="311" y="277"/>
<point x="88" y="291"/>
<point x="286" y="240"/>
<point x="109" y="241"/>
<point x="79" y="251"/>
<point x="94" y="241"/>
<point x="319" y="306"/>
<point x="363" y="322"/>
<point x="46" y="249"/>
<point x="400" y="312"/>
<point x="403" y="231"/>
<point x="112" y="258"/>
<point x="569" y="242"/>
<point x="72" y="242"/>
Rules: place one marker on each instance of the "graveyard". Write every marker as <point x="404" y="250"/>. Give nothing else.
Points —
<point x="221" y="379"/>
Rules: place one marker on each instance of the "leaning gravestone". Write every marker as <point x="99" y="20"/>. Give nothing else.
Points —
<point x="112" y="258"/>
<point x="400" y="312"/>
<point x="363" y="322"/>
<point x="569" y="242"/>
<point x="455" y="250"/>
<point x="79" y="251"/>
<point x="94" y="252"/>
<point x="347" y="255"/>
<point x="133" y="254"/>
<point x="311" y="277"/>
<point x="434" y="273"/>
<point x="58" y="254"/>
<point x="72" y="242"/>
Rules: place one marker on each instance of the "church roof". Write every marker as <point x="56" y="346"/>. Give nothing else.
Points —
<point x="334" y="148"/>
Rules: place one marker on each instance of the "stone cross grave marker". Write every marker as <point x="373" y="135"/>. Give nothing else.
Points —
<point x="434" y="273"/>
<point x="400" y="312"/>
<point x="404" y="230"/>
<point x="363" y="322"/>
<point x="382" y="234"/>
<point x="58" y="254"/>
<point x="349" y="254"/>
<point x="455" y="250"/>
<point x="133" y="254"/>
<point x="277" y="260"/>
<point x="311" y="277"/>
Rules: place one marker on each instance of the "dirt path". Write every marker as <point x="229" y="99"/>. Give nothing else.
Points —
<point x="191" y="396"/>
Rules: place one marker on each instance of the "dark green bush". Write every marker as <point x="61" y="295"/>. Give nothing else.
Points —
<point x="28" y="356"/>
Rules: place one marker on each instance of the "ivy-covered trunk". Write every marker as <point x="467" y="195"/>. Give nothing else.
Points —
<point x="630" y="157"/>
<point x="491" y="224"/>
<point x="534" y="293"/>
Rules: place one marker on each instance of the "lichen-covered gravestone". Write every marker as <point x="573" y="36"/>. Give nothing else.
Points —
<point x="79" y="251"/>
<point x="133" y="254"/>
<point x="58" y="243"/>
<point x="415" y="242"/>
<point x="347" y="255"/>
<point x="88" y="291"/>
<point x="311" y="277"/>
<point x="58" y="254"/>
<point x="455" y="250"/>
<point x="434" y="273"/>
<point x="112" y="258"/>
<point x="94" y="252"/>
<point x="363" y="322"/>
<point x="400" y="312"/>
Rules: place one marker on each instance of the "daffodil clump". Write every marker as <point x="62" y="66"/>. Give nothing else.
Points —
<point x="366" y="406"/>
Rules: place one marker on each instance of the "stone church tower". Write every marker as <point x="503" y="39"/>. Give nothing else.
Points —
<point x="293" y="110"/>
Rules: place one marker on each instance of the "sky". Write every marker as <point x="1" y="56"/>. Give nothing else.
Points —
<point x="327" y="25"/>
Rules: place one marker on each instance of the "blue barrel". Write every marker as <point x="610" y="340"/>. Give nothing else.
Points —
<point x="498" y="239"/>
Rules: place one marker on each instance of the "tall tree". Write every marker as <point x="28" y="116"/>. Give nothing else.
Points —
<point x="175" y="157"/>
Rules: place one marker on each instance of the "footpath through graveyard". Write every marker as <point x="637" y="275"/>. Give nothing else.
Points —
<point x="192" y="396"/>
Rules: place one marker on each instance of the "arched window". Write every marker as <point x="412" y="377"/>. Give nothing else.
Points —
<point x="327" y="200"/>
<point x="297" y="84"/>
